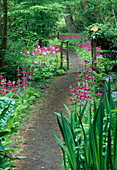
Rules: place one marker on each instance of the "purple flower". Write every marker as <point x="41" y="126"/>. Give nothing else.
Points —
<point x="96" y="61"/>
<point x="32" y="62"/>
<point x="85" y="60"/>
<point x="51" y="58"/>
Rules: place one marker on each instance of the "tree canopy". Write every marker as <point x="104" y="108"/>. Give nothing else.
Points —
<point x="34" y="19"/>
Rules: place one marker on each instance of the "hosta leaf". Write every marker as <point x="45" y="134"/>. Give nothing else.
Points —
<point x="7" y="107"/>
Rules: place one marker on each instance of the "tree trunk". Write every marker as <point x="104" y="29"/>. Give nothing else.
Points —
<point x="0" y="21"/>
<point x="4" y="36"/>
<point x="69" y="22"/>
<point x="113" y="12"/>
<point x="84" y="7"/>
<point x="0" y="36"/>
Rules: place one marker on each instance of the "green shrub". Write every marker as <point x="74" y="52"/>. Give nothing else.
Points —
<point x="106" y="35"/>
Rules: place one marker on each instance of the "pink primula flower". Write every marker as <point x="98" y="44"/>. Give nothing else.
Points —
<point x="98" y="94"/>
<point x="23" y="67"/>
<point x="18" y="75"/>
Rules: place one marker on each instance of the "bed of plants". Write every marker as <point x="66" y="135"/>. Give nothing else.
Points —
<point x="17" y="93"/>
<point x="40" y="64"/>
<point x="82" y="45"/>
<point x="44" y="61"/>
<point x="89" y="139"/>
<point x="89" y="135"/>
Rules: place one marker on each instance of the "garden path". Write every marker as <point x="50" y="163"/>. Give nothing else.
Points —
<point x="37" y="143"/>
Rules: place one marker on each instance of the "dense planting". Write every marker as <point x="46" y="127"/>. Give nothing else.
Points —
<point x="81" y="44"/>
<point x="41" y="64"/>
<point x="45" y="61"/>
<point x="89" y="135"/>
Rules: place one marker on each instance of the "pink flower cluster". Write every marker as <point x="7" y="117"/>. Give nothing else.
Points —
<point x="75" y="36"/>
<point x="15" y="86"/>
<point x="85" y="86"/>
<point x="85" y="45"/>
<point x="45" y="51"/>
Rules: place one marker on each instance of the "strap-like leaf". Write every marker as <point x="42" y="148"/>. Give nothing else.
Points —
<point x="109" y="155"/>
<point x="115" y="145"/>
<point x="1" y="146"/>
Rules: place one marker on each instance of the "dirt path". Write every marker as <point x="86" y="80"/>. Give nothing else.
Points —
<point x="37" y="142"/>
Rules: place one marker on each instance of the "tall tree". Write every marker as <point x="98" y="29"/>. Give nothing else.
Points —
<point x="4" y="33"/>
<point x="0" y="32"/>
<point x="0" y="20"/>
<point x="69" y="22"/>
<point x="33" y="17"/>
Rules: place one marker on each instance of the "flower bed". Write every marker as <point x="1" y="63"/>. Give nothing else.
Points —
<point x="89" y="134"/>
<point x="45" y="61"/>
<point x="41" y="64"/>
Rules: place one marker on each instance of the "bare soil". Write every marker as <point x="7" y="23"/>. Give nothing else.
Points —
<point x="35" y="138"/>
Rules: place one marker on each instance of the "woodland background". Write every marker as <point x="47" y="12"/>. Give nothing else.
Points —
<point x="23" y="22"/>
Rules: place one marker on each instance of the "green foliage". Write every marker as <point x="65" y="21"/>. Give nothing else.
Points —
<point x="6" y="128"/>
<point x="55" y="41"/>
<point x="90" y="12"/>
<point x="14" y="58"/>
<point x="61" y="25"/>
<point x="11" y="114"/>
<point x="104" y="63"/>
<point x="5" y="163"/>
<point x="47" y="72"/>
<point x="90" y="142"/>
<point x="35" y="19"/>
<point x="6" y="107"/>
<point x="85" y="13"/>
<point x="30" y="21"/>
<point x="106" y="31"/>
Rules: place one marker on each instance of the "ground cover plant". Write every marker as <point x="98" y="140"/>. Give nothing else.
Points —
<point x="7" y="127"/>
<point x="86" y="89"/>
<point x="15" y="98"/>
<point x="45" y="61"/>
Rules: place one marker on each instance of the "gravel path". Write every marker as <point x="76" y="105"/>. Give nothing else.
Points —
<point x="37" y="143"/>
